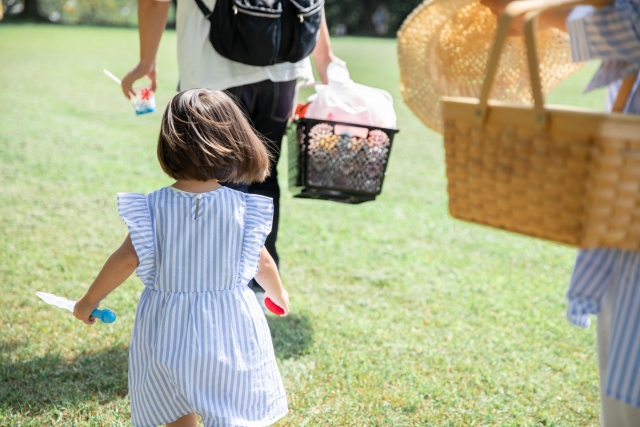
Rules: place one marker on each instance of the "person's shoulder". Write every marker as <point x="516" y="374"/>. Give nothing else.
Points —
<point x="148" y="197"/>
<point x="257" y="199"/>
<point x="249" y="201"/>
<point x="130" y="197"/>
<point x="259" y="205"/>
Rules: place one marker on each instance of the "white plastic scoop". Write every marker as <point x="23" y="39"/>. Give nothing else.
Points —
<point x="105" y="315"/>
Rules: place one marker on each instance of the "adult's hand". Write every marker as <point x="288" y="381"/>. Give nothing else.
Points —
<point x="322" y="62"/>
<point x="150" y="71"/>
<point x="498" y="7"/>
<point x="555" y="18"/>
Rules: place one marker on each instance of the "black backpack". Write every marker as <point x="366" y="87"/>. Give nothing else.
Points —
<point x="264" y="32"/>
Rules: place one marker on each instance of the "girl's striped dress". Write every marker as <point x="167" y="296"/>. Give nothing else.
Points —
<point x="200" y="341"/>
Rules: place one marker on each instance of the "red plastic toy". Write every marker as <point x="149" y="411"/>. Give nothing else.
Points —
<point x="301" y="110"/>
<point x="273" y="307"/>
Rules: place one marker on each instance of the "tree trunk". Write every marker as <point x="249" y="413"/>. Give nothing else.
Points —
<point x="368" y="7"/>
<point x="31" y="9"/>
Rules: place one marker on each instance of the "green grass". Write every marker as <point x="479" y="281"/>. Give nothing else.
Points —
<point x="402" y="316"/>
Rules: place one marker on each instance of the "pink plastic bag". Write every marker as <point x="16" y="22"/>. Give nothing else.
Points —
<point x="343" y="100"/>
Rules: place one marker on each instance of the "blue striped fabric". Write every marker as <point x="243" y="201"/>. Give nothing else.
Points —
<point x="135" y="213"/>
<point x="200" y="341"/>
<point x="610" y="34"/>
<point x="592" y="274"/>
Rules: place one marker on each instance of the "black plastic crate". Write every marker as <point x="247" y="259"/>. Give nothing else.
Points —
<point x="337" y="161"/>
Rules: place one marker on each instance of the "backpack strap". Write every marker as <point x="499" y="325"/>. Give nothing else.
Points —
<point x="207" y="13"/>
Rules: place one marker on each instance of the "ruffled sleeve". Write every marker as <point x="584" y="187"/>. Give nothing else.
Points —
<point x="134" y="211"/>
<point x="258" y="217"/>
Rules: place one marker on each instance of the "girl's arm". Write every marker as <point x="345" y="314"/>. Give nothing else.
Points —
<point x="115" y="271"/>
<point x="269" y="279"/>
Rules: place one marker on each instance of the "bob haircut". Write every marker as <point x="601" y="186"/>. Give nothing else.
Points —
<point x="204" y="136"/>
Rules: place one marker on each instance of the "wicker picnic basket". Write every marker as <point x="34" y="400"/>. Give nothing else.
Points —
<point x="563" y="174"/>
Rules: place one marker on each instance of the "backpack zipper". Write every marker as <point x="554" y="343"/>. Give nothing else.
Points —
<point x="301" y="16"/>
<point x="262" y="15"/>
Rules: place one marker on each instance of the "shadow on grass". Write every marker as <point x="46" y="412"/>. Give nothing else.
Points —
<point x="33" y="385"/>
<point x="292" y="335"/>
<point x="36" y="384"/>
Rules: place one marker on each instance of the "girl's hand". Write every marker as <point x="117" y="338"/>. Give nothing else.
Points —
<point x="83" y="309"/>
<point x="281" y="300"/>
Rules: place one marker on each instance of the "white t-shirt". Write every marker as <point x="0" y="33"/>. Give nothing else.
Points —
<point x="200" y="65"/>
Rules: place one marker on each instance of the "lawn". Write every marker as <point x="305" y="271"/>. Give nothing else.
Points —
<point x="402" y="316"/>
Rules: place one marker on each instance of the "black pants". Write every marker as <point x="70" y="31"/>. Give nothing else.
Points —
<point x="268" y="105"/>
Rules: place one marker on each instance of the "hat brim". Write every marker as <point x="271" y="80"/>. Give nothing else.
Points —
<point x="444" y="48"/>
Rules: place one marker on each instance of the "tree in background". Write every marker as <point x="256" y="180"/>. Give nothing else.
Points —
<point x="357" y="14"/>
<point x="87" y="12"/>
<point x="25" y="9"/>
<point x="31" y="8"/>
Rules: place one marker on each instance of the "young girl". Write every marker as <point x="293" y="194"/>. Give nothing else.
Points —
<point x="201" y="344"/>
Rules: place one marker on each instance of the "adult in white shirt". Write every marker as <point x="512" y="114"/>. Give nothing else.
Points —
<point x="266" y="93"/>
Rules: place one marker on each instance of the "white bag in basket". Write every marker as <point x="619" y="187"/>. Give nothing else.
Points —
<point x="343" y="100"/>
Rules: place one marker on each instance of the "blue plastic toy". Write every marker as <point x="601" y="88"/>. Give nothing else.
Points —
<point x="105" y="315"/>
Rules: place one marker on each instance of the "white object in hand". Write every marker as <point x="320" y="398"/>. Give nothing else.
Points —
<point x="57" y="301"/>
<point x="143" y="102"/>
<point x="111" y="76"/>
<point x="343" y="100"/>
<point x="105" y="315"/>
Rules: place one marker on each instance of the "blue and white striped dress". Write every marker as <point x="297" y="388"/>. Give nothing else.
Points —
<point x="610" y="34"/>
<point x="200" y="343"/>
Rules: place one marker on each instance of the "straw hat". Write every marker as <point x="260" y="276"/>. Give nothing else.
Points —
<point x="444" y="47"/>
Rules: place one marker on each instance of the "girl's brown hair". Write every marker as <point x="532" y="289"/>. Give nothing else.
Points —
<point x="204" y="136"/>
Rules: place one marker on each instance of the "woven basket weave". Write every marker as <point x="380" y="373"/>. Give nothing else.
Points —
<point x="562" y="174"/>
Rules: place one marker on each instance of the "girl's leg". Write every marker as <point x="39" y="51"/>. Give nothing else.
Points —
<point x="189" y="420"/>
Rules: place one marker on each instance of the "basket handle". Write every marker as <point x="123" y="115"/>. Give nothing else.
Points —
<point x="623" y="94"/>
<point x="531" y="9"/>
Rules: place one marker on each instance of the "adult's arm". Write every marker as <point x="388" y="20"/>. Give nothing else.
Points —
<point x="152" y="19"/>
<point x="610" y="33"/>
<point x="323" y="54"/>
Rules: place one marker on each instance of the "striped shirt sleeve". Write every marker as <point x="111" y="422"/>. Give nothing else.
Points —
<point x="610" y="33"/>
<point x="592" y="275"/>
